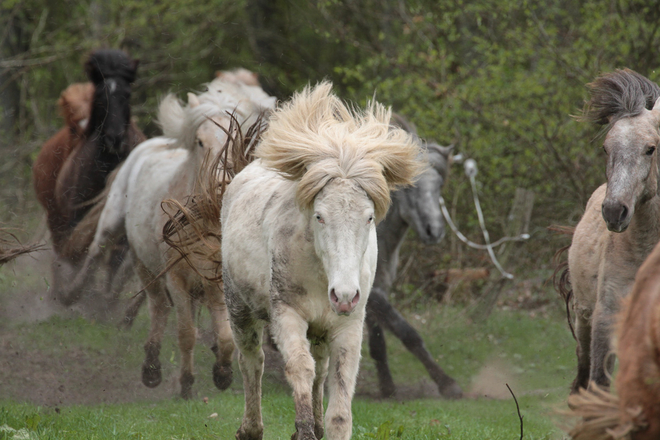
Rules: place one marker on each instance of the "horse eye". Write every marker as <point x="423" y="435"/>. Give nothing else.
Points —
<point x="199" y="143"/>
<point x="319" y="218"/>
<point x="604" y="149"/>
<point x="650" y="151"/>
<point x="371" y="218"/>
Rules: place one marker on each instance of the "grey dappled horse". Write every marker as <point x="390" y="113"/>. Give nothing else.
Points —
<point x="415" y="207"/>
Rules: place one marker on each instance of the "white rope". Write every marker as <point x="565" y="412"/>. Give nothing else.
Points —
<point x="471" y="171"/>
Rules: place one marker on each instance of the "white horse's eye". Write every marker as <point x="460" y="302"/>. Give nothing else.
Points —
<point x="200" y="144"/>
<point x="319" y="218"/>
<point x="370" y="219"/>
<point x="650" y="151"/>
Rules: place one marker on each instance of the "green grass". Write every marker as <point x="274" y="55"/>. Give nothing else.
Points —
<point x="533" y="355"/>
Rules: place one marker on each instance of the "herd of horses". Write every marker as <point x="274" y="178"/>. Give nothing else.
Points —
<point x="289" y="217"/>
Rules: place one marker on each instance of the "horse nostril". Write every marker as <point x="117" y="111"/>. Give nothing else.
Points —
<point x="356" y="298"/>
<point x="428" y="230"/>
<point x="333" y="296"/>
<point x="624" y="213"/>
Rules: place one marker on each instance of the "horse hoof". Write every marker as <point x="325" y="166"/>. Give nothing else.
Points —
<point x="222" y="376"/>
<point x="305" y="436"/>
<point x="187" y="380"/>
<point x="151" y="375"/>
<point x="241" y="434"/>
<point x="451" y="391"/>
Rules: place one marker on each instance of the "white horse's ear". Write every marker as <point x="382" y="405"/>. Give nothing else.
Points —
<point x="193" y="100"/>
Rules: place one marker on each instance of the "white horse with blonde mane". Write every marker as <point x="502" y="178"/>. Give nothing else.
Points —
<point x="168" y="168"/>
<point x="299" y="250"/>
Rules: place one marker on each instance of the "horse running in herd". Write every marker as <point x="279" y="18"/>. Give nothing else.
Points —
<point x="611" y="255"/>
<point x="71" y="170"/>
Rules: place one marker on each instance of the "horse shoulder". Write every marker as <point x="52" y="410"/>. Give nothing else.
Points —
<point x="588" y="247"/>
<point x="244" y="206"/>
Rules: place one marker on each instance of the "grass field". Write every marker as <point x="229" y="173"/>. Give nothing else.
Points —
<point x="65" y="377"/>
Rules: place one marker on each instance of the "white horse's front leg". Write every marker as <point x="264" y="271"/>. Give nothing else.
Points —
<point x="344" y="363"/>
<point x="290" y="334"/>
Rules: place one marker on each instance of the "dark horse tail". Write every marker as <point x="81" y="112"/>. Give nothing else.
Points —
<point x="561" y="279"/>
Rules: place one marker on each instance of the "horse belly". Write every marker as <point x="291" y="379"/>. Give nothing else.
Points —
<point x="149" y="183"/>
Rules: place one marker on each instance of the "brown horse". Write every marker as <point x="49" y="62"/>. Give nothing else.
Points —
<point x="80" y="177"/>
<point x="75" y="107"/>
<point x="635" y="412"/>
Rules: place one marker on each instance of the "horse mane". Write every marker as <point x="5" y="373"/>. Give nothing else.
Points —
<point x="239" y="75"/>
<point x="110" y="63"/>
<point x="618" y="94"/>
<point x="193" y="228"/>
<point x="315" y="137"/>
<point x="222" y="97"/>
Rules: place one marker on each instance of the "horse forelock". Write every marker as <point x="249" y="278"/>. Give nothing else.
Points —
<point x="619" y="94"/>
<point x="109" y="63"/>
<point x="316" y="137"/>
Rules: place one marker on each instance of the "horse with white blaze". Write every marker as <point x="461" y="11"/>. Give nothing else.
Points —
<point x="299" y="249"/>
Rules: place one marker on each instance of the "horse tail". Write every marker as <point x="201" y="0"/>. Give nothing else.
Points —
<point x="193" y="228"/>
<point x="171" y="116"/>
<point x="601" y="416"/>
<point x="561" y="278"/>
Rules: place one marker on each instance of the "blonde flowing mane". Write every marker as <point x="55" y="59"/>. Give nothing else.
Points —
<point x="315" y="137"/>
<point x="222" y="98"/>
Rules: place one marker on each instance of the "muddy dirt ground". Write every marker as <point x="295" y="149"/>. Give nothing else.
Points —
<point x="53" y="372"/>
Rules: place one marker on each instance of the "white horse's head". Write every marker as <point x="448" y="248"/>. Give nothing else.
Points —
<point x="343" y="225"/>
<point x="346" y="163"/>
<point x="620" y="99"/>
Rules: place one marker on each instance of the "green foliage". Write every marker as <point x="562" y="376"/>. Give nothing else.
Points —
<point x="498" y="78"/>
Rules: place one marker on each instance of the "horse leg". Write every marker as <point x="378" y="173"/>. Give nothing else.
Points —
<point x="132" y="310"/>
<point x="583" y="350"/>
<point x="321" y="354"/>
<point x="378" y="352"/>
<point x="120" y="270"/>
<point x="342" y="374"/>
<point x="159" y="309"/>
<point x="289" y="331"/>
<point x="224" y="344"/>
<point x="391" y="319"/>
<point x="601" y="332"/>
<point x="187" y="333"/>
<point x="108" y="230"/>
<point x="248" y="334"/>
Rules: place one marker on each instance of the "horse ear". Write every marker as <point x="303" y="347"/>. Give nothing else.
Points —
<point x="193" y="100"/>
<point x="656" y="106"/>
<point x="445" y="151"/>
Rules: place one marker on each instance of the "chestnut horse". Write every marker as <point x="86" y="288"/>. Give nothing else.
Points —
<point x="75" y="106"/>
